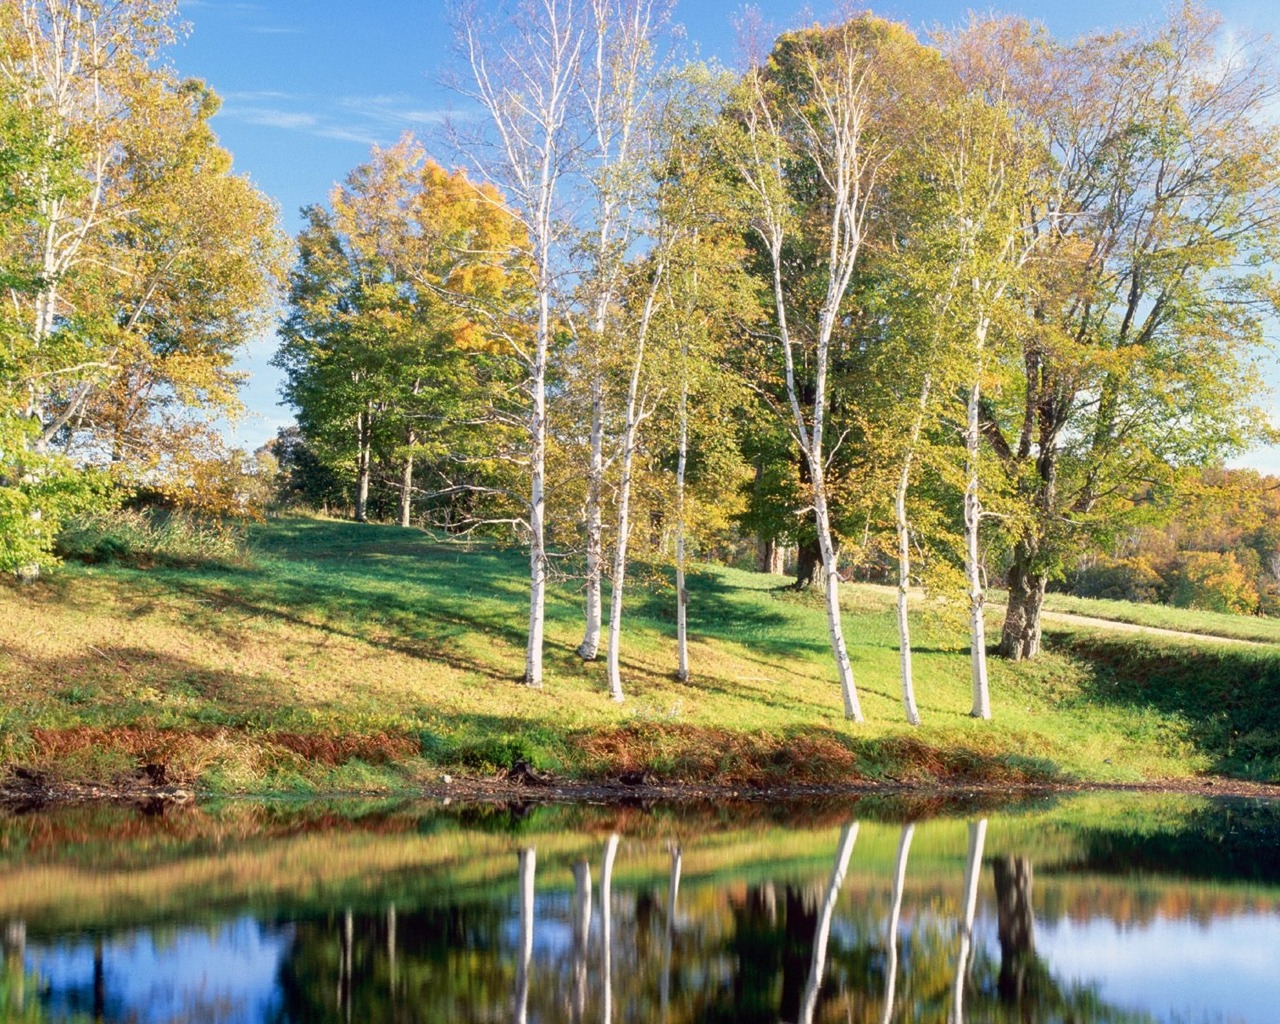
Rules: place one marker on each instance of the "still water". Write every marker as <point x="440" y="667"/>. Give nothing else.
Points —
<point x="1084" y="909"/>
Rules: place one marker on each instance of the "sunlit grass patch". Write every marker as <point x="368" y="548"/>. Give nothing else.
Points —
<point x="366" y="657"/>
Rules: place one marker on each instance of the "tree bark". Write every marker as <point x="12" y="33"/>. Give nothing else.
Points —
<point x="635" y="415"/>
<point x="682" y="592"/>
<point x="406" y="492"/>
<point x="1021" y="636"/>
<point x="973" y="567"/>
<point x="810" y="568"/>
<point x="593" y="525"/>
<point x="904" y="559"/>
<point x="364" y="433"/>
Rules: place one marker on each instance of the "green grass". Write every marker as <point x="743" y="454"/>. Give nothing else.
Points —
<point x="342" y="657"/>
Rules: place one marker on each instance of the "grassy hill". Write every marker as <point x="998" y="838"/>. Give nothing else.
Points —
<point x="348" y="657"/>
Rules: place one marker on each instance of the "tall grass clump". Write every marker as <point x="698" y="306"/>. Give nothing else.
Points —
<point x="143" y="538"/>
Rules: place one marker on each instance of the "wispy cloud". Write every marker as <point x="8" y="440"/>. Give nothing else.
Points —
<point x="366" y="119"/>
<point x="392" y="110"/>
<point x="269" y="30"/>
<point x="271" y="118"/>
<point x="257" y="96"/>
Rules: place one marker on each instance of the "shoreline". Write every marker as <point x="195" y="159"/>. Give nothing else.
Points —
<point x="29" y="797"/>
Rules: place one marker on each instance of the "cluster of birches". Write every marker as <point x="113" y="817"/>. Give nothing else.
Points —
<point x="976" y="304"/>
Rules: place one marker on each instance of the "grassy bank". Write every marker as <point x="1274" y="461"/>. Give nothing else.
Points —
<point x="346" y="657"/>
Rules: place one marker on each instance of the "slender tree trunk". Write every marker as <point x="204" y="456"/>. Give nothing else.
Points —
<point x="590" y="646"/>
<point x="895" y="913"/>
<point x="406" y="492"/>
<point x="634" y="415"/>
<point x="346" y="967"/>
<point x="818" y="966"/>
<point x="364" y="432"/>
<point x="606" y="925"/>
<point x="682" y="592"/>
<point x="673" y="892"/>
<point x="904" y="560"/>
<point x="581" y="938"/>
<point x="1021" y="636"/>
<point x="537" y="497"/>
<point x="524" y="961"/>
<point x="15" y="963"/>
<point x="831" y="591"/>
<point x="391" y="950"/>
<point x="770" y="556"/>
<point x="969" y="904"/>
<point x="972" y="563"/>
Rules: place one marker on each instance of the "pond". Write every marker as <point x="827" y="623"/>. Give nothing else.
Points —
<point x="1089" y="908"/>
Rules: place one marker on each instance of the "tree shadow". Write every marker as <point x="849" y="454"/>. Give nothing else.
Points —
<point x="1223" y="697"/>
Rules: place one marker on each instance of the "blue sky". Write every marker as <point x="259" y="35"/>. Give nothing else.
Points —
<point x="309" y="85"/>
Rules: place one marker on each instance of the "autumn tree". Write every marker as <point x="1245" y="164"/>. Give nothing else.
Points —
<point x="525" y="71"/>
<point x="815" y="133"/>
<point x="1157" y="207"/>
<point x="147" y="263"/>
<point x="383" y="348"/>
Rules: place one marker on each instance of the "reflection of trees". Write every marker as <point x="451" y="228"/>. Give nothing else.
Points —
<point x="968" y="903"/>
<point x="790" y="947"/>
<point x="895" y="914"/>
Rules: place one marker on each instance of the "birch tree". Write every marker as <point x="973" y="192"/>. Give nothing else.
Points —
<point x="821" y="120"/>
<point x="617" y="87"/>
<point x="148" y="263"/>
<point x="525" y="73"/>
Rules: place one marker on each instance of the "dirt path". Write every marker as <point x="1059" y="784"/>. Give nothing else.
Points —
<point x="1071" y="618"/>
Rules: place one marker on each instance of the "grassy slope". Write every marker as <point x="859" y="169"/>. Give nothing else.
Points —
<point x="358" y="657"/>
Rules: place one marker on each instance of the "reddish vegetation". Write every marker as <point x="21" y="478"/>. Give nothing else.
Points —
<point x="163" y="747"/>
<point x="684" y="753"/>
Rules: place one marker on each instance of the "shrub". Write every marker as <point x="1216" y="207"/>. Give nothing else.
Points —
<point x="145" y="538"/>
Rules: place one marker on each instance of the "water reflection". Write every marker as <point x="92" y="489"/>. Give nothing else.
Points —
<point x="854" y="914"/>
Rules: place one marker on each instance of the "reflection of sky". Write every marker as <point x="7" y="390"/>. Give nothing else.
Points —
<point x="225" y="973"/>
<point x="1228" y="969"/>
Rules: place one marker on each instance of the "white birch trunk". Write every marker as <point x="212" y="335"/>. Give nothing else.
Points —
<point x="673" y="892"/>
<point x="581" y="938"/>
<point x="606" y="925"/>
<point x="817" y="966"/>
<point x="972" y="521"/>
<point x="593" y="525"/>
<point x="524" y="76"/>
<point x="895" y="914"/>
<point x="846" y="164"/>
<point x="904" y="561"/>
<point x="682" y="593"/>
<point x="363" y="458"/>
<point x="524" y="951"/>
<point x="969" y="903"/>
<point x="537" y="504"/>
<point x="406" y="492"/>
<point x="831" y="593"/>
<point x="634" y="416"/>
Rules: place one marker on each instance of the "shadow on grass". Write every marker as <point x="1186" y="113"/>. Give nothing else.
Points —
<point x="404" y="591"/>
<point x="1227" y="697"/>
